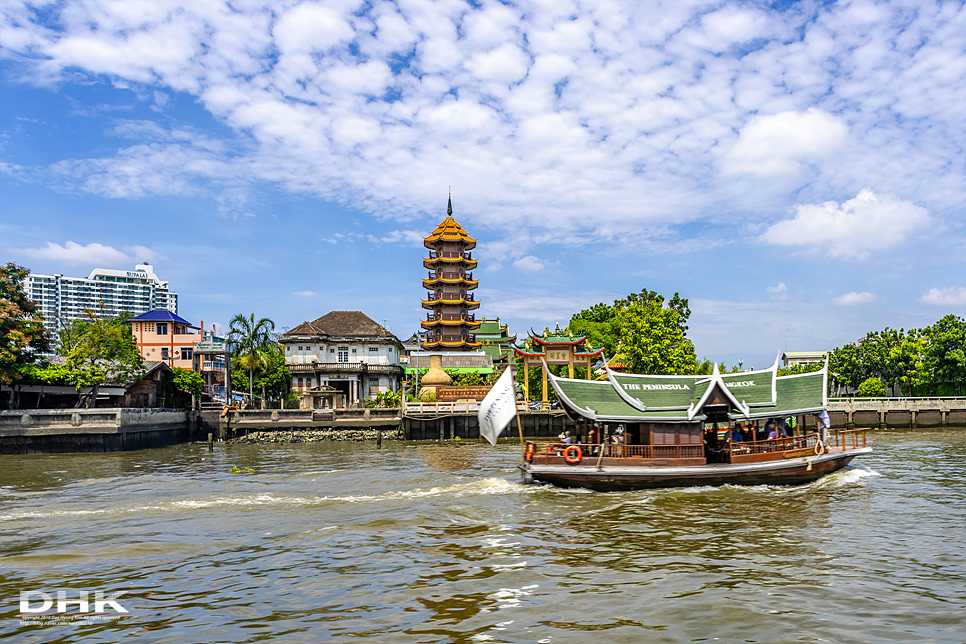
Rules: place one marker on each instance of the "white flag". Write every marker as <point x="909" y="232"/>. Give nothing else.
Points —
<point x="498" y="408"/>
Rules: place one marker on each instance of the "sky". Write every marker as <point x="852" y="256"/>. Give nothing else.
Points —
<point x="796" y="170"/>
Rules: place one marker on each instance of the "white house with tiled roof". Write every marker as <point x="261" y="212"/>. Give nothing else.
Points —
<point x="345" y="350"/>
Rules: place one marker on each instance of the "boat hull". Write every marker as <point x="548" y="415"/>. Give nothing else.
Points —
<point x="793" y="471"/>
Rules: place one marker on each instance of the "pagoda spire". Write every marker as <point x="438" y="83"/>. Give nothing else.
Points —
<point x="449" y="204"/>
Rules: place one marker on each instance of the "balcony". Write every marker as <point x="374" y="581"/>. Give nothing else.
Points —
<point x="449" y="254"/>
<point x="450" y="275"/>
<point x="450" y="297"/>
<point x="450" y="317"/>
<point x="345" y="367"/>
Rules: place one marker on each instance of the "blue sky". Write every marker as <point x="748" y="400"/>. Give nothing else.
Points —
<point x="796" y="170"/>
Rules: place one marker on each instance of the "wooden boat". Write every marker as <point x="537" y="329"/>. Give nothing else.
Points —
<point x="646" y="431"/>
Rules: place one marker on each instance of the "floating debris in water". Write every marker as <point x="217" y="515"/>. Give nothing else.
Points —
<point x="315" y="436"/>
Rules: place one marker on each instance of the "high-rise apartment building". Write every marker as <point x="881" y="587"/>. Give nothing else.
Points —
<point x="62" y="299"/>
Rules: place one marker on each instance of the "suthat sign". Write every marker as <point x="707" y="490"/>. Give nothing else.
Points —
<point x="558" y="356"/>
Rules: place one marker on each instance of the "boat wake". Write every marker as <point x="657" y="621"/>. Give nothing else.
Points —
<point x="477" y="487"/>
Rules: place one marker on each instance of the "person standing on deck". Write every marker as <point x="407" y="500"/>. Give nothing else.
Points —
<point x="824" y="423"/>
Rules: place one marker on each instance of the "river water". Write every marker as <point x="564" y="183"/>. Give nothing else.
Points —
<point x="344" y="542"/>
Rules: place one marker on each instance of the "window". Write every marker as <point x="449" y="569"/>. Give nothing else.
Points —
<point x="164" y="352"/>
<point x="353" y="350"/>
<point x="185" y="353"/>
<point x="373" y="382"/>
<point x="343" y="354"/>
<point x="162" y="328"/>
<point x="373" y="350"/>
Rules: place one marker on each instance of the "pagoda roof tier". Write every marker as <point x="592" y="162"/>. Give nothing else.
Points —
<point x="451" y="345"/>
<point x="450" y="324"/>
<point x="433" y="262"/>
<point x="495" y="339"/>
<point x="470" y="304"/>
<point x="468" y="284"/>
<point x="449" y="231"/>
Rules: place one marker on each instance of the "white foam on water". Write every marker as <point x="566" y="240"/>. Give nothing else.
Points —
<point x="47" y="515"/>
<point x="477" y="487"/>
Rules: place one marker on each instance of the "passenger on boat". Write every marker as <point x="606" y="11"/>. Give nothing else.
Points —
<point x="775" y="429"/>
<point x="824" y="423"/>
<point x="736" y="436"/>
<point x="565" y="437"/>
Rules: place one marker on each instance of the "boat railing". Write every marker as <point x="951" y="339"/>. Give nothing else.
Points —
<point x="774" y="444"/>
<point x="844" y="439"/>
<point x="850" y="438"/>
<point x="617" y="450"/>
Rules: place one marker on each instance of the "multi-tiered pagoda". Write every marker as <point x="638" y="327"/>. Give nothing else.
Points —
<point x="449" y="324"/>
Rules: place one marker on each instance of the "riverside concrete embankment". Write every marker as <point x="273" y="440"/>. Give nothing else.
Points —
<point x="437" y="424"/>
<point x="93" y="430"/>
<point x="897" y="412"/>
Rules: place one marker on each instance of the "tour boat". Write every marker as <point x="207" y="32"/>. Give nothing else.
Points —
<point x="647" y="431"/>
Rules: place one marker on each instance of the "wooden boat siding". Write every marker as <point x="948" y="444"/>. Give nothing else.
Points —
<point x="782" y="472"/>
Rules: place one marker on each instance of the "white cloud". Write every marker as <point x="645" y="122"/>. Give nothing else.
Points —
<point x="408" y="237"/>
<point x="853" y="229"/>
<point x="778" y="288"/>
<point x="954" y="295"/>
<point x="529" y="263"/>
<point x="550" y="116"/>
<point x="93" y="254"/>
<point x="778" y="143"/>
<point x="304" y="293"/>
<point x="851" y="298"/>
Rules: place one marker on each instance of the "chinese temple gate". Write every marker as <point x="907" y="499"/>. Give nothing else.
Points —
<point x="557" y="348"/>
<point x="449" y="324"/>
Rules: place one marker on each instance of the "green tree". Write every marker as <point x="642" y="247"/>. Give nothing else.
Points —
<point x="653" y="338"/>
<point x="801" y="367"/>
<point x="871" y="388"/>
<point x="603" y="324"/>
<point x="105" y="353"/>
<point x="188" y="381"/>
<point x="944" y="356"/>
<point x="252" y="344"/>
<point x="22" y="333"/>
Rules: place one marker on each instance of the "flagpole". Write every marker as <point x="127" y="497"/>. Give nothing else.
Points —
<point x="516" y="409"/>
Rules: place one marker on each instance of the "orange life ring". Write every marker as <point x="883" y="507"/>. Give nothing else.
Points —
<point x="573" y="454"/>
<point x="529" y="454"/>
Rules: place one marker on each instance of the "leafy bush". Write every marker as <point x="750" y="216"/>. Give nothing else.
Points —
<point x="871" y="388"/>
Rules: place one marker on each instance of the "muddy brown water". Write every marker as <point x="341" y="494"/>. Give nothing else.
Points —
<point x="344" y="542"/>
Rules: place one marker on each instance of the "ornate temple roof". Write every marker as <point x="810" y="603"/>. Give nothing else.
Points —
<point x="449" y="230"/>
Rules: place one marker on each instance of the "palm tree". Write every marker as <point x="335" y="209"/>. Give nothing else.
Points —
<point x="253" y="342"/>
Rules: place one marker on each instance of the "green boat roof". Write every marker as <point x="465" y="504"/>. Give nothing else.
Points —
<point x="599" y="400"/>
<point x="798" y="394"/>
<point x="670" y="398"/>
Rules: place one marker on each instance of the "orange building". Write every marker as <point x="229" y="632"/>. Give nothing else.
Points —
<point x="449" y="324"/>
<point x="163" y="335"/>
